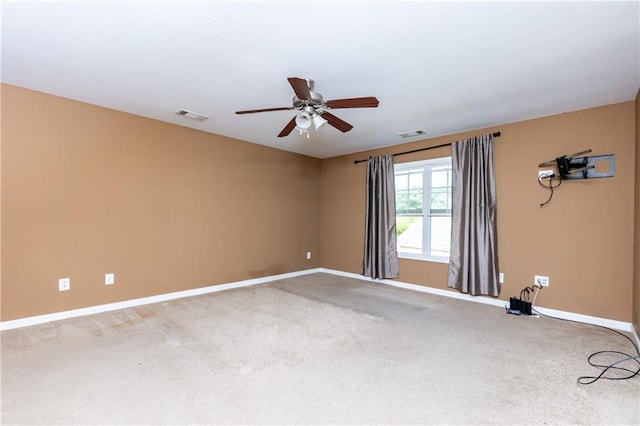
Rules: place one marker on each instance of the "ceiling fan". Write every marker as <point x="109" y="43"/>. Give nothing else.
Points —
<point x="315" y="110"/>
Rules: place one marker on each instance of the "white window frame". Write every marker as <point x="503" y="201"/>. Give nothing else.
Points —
<point x="426" y="197"/>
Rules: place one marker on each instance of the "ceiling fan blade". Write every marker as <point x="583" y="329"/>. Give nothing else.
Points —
<point x="288" y="128"/>
<point x="300" y="87"/>
<point x="339" y="124"/>
<point x="366" y="102"/>
<point x="251" y="111"/>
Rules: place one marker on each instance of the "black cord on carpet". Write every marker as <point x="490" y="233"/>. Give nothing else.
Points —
<point x="606" y="368"/>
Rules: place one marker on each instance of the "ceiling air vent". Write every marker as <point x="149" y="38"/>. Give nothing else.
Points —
<point x="193" y="115"/>
<point x="412" y="134"/>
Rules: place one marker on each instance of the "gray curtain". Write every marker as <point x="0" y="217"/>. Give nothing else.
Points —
<point x="473" y="262"/>
<point x="380" y="251"/>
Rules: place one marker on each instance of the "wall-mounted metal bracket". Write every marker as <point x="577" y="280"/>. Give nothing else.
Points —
<point x="573" y="167"/>
<point x="597" y="166"/>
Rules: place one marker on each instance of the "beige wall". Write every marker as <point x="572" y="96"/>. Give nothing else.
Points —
<point x="87" y="190"/>
<point x="582" y="239"/>
<point x="636" y="275"/>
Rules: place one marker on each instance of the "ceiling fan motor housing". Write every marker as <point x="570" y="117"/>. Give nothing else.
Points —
<point x="315" y="99"/>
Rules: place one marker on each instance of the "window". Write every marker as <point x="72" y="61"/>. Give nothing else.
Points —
<point x="423" y="209"/>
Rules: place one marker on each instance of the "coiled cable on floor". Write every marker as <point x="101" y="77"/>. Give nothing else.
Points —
<point x="627" y="373"/>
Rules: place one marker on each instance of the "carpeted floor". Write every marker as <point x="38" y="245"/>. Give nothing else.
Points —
<point x="315" y="349"/>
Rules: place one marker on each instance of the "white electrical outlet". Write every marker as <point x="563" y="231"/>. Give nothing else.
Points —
<point x="544" y="172"/>
<point x="64" y="284"/>
<point x="109" y="278"/>
<point x="501" y="277"/>
<point x="541" y="280"/>
<point x="308" y="255"/>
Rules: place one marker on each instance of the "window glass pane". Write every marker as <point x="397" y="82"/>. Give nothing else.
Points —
<point x="409" y="197"/>
<point x="402" y="202"/>
<point x="414" y="204"/>
<point x="409" y="229"/>
<point x="440" y="201"/>
<point x="401" y="181"/>
<point x="440" y="236"/>
<point x="415" y="180"/>
<point x="439" y="178"/>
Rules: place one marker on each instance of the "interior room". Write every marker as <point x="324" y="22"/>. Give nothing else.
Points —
<point x="158" y="181"/>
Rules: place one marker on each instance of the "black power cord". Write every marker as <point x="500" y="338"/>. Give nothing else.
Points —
<point x="551" y="186"/>
<point x="628" y="373"/>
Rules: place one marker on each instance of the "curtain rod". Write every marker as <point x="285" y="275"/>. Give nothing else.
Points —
<point x="495" y="135"/>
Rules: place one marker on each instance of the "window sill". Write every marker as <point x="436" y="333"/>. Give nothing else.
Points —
<point x="423" y="258"/>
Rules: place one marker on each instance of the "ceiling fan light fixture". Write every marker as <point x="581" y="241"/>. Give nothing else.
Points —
<point x="318" y="121"/>
<point x="303" y="121"/>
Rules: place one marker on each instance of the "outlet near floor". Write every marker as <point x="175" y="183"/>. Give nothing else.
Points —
<point x="64" y="284"/>
<point x="109" y="278"/>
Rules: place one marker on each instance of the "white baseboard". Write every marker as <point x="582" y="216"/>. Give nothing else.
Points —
<point x="41" y="319"/>
<point x="587" y="319"/>
<point x="420" y="288"/>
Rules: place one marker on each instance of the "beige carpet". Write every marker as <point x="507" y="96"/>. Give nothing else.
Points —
<point x="311" y="350"/>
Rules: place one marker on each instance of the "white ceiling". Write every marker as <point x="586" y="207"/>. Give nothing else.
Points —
<point x="443" y="67"/>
